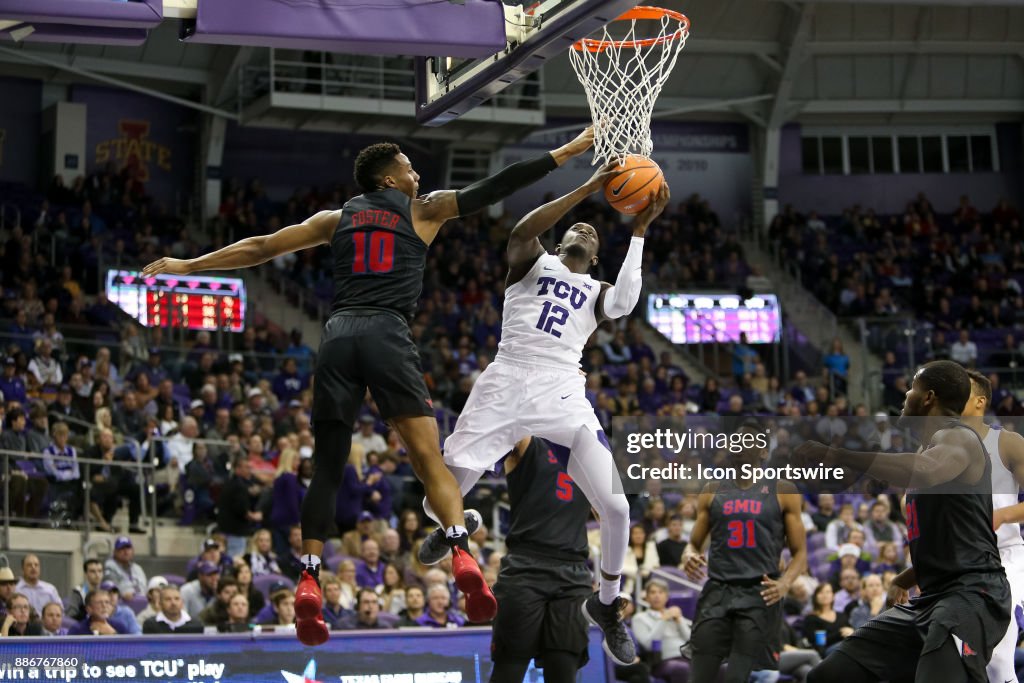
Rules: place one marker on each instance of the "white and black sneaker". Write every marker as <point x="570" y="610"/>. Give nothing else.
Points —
<point x="435" y="547"/>
<point x="617" y="643"/>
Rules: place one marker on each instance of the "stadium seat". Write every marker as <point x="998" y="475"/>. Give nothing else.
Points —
<point x="263" y="582"/>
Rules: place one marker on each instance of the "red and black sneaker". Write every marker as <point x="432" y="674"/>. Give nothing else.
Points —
<point x="309" y="620"/>
<point x="480" y="603"/>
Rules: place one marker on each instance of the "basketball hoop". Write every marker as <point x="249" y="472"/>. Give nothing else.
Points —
<point x="623" y="77"/>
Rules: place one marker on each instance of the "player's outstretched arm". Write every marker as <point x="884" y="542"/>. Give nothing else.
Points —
<point x="796" y="538"/>
<point x="432" y="210"/>
<point x="252" y="251"/>
<point x="951" y="455"/>
<point x="619" y="299"/>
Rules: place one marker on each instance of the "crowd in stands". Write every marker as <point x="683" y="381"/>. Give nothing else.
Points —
<point x="959" y="275"/>
<point x="230" y="429"/>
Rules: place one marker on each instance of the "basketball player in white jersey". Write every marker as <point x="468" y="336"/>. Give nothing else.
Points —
<point x="1006" y="449"/>
<point x="534" y="386"/>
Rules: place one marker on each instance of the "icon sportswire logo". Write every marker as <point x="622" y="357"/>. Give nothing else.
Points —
<point x="308" y="676"/>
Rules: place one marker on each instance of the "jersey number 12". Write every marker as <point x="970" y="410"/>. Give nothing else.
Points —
<point x="381" y="256"/>
<point x="551" y="315"/>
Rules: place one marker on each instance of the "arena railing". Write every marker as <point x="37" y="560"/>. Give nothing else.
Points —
<point x="359" y="76"/>
<point x="86" y="466"/>
<point x="121" y="357"/>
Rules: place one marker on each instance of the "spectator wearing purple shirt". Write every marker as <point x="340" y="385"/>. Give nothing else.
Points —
<point x="288" y="384"/>
<point x="370" y="569"/>
<point x="37" y="591"/>
<point x="437" y="614"/>
<point x="99" y="620"/>
<point x="12" y="386"/>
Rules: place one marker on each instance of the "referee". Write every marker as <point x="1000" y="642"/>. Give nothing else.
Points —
<point x="544" y="578"/>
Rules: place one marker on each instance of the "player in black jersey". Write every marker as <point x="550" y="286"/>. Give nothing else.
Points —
<point x="739" y="612"/>
<point x="544" y="577"/>
<point x="949" y="631"/>
<point x="379" y="243"/>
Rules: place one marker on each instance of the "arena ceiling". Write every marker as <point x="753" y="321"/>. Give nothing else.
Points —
<point x="767" y="61"/>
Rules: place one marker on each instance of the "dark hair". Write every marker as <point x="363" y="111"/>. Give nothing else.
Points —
<point x="815" y="605"/>
<point x="90" y="562"/>
<point x="362" y="591"/>
<point x="982" y="383"/>
<point x="226" y="582"/>
<point x="372" y="162"/>
<point x="949" y="382"/>
<point x="676" y="517"/>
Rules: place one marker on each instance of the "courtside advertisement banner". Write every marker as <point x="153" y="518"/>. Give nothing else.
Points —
<point x="406" y="656"/>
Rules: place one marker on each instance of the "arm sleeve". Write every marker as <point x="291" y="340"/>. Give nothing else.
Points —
<point x="620" y="298"/>
<point x="500" y="185"/>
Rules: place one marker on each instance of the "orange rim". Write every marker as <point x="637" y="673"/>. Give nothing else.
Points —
<point x="640" y="12"/>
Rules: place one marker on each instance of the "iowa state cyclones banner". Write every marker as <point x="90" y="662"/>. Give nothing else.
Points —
<point x="157" y="140"/>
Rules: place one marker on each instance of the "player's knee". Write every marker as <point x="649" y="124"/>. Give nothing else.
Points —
<point x="616" y="509"/>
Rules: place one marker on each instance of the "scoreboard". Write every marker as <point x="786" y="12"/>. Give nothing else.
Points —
<point x="704" y="318"/>
<point x="189" y="302"/>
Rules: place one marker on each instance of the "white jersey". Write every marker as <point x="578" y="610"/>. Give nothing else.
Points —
<point x="549" y="315"/>
<point x="1004" y="489"/>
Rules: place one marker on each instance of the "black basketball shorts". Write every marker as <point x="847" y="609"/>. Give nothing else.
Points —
<point x="367" y="348"/>
<point x="732" y="617"/>
<point x="975" y="614"/>
<point x="539" y="608"/>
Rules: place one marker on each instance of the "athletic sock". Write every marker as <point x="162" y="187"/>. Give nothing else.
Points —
<point x="458" y="536"/>
<point x="312" y="565"/>
<point x="609" y="590"/>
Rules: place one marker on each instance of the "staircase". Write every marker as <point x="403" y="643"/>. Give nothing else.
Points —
<point x="278" y="309"/>
<point x="815" y="321"/>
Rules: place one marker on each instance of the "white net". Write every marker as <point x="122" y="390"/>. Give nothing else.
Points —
<point x="623" y="74"/>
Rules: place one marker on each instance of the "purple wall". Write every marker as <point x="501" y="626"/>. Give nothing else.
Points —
<point x="19" y="130"/>
<point x="889" y="193"/>
<point x="159" y="138"/>
<point x="285" y="160"/>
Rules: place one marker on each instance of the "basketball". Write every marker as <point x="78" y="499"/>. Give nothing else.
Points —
<point x="629" y="190"/>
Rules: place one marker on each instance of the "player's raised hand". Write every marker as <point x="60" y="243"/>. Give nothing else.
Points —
<point x="774" y="590"/>
<point x="656" y="204"/>
<point x="167" y="266"/>
<point x="601" y="176"/>
<point x="581" y="143"/>
<point x="693" y="565"/>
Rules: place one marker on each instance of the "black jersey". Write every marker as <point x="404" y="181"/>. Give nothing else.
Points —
<point x="378" y="257"/>
<point x="950" y="530"/>
<point x="747" y="533"/>
<point x="549" y="512"/>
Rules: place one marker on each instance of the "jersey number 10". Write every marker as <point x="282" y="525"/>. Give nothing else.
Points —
<point x="381" y="256"/>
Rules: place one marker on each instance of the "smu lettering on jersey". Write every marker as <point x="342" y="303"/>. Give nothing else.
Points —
<point x="549" y="315"/>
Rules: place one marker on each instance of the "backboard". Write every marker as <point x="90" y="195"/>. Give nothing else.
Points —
<point x="447" y="87"/>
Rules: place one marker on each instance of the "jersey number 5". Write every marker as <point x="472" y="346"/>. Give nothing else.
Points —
<point x="551" y="315"/>
<point x="381" y="256"/>
<point x="737" y="537"/>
